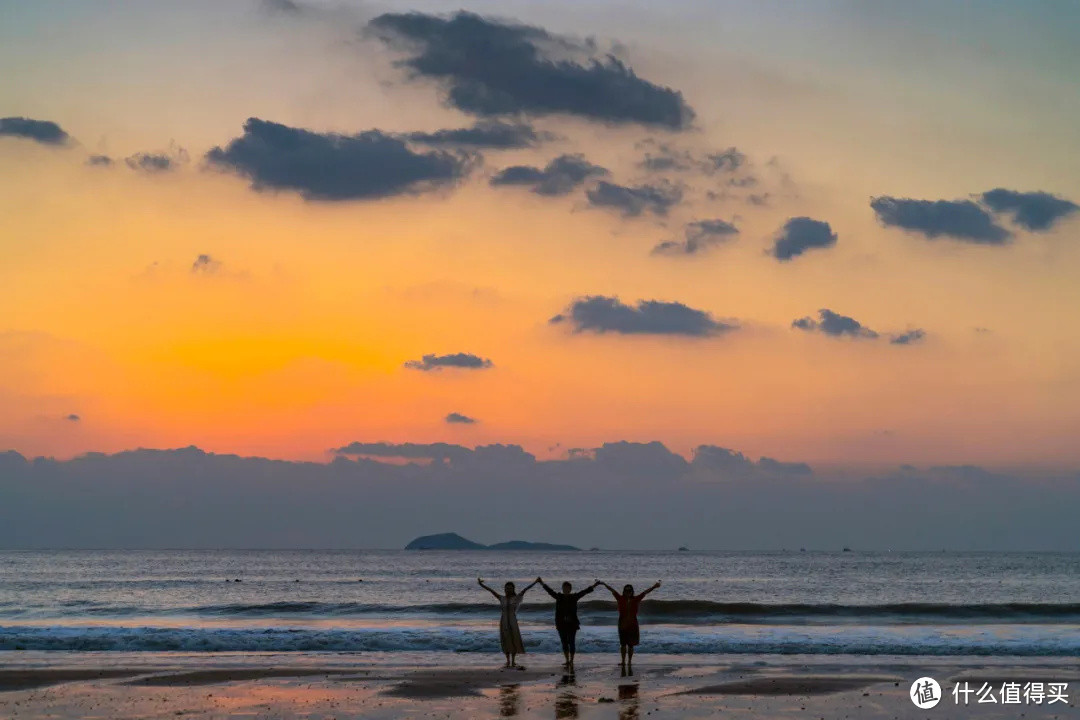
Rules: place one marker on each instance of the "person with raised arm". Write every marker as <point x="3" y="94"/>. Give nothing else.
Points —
<point x="566" y="618"/>
<point x="509" y="633"/>
<point x="629" y="632"/>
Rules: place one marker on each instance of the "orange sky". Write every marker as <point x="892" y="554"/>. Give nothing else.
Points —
<point x="295" y="341"/>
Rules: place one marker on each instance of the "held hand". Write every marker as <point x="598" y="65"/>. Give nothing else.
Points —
<point x="480" y="580"/>
<point x="657" y="584"/>
<point x="538" y="580"/>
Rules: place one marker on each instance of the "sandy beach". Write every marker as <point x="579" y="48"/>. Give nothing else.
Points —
<point x="324" y="686"/>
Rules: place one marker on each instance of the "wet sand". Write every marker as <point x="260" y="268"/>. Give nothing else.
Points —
<point x="342" y="686"/>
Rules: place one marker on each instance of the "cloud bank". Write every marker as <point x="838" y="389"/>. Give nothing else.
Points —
<point x="626" y="495"/>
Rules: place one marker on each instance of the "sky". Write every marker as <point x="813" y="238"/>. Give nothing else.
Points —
<point x="835" y="233"/>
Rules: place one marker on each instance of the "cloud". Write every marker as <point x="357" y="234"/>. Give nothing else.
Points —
<point x="45" y="132"/>
<point x="367" y="497"/>
<point x="72" y="417"/>
<point x="558" y="177"/>
<point x="698" y="235"/>
<point x="665" y="157"/>
<point x="600" y="314"/>
<point x="1035" y="211"/>
<point x="800" y="234"/>
<point x="767" y="464"/>
<point x="151" y="162"/>
<point x="908" y="338"/>
<point x="205" y="265"/>
<point x="834" y="324"/>
<point x="728" y="160"/>
<point x="99" y="160"/>
<point x="329" y="166"/>
<point x="484" y="134"/>
<point x="289" y="7"/>
<point x="432" y="362"/>
<point x="631" y="201"/>
<point x="405" y="451"/>
<point x="493" y="68"/>
<point x="960" y="219"/>
<point x="455" y="418"/>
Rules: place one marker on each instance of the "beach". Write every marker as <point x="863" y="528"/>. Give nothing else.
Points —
<point x="151" y="685"/>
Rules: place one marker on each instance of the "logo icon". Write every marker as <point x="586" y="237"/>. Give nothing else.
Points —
<point x="925" y="693"/>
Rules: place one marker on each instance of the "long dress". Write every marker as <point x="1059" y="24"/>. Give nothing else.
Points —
<point x="509" y="633"/>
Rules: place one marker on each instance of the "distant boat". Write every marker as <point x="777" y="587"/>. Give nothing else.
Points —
<point x="847" y="549"/>
<point x="683" y="548"/>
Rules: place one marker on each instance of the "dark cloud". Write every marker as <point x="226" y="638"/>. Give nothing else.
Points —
<point x="664" y="157"/>
<point x="758" y="199"/>
<point x="960" y="219"/>
<point x="494" y="68"/>
<point x="205" y="265"/>
<point x="600" y="314"/>
<point x="728" y="160"/>
<point x="800" y="234"/>
<point x="45" y="132"/>
<point x="834" y="324"/>
<point x="558" y="177"/>
<point x="289" y="7"/>
<point x="329" y="166"/>
<point x="467" y="361"/>
<point x="698" y="236"/>
<point x="72" y="417"/>
<point x="1035" y="211"/>
<point x="634" y="200"/>
<point x="767" y="464"/>
<point x="908" y="338"/>
<point x="652" y="499"/>
<point x="455" y="418"/>
<point x="151" y="162"/>
<point x="484" y="134"/>
<point x="405" y="451"/>
<point x="99" y="160"/>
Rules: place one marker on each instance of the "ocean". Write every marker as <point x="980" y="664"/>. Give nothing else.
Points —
<point x="386" y="602"/>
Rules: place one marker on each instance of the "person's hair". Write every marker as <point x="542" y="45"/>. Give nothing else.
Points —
<point x="566" y="586"/>
<point x="628" y="589"/>
<point x="509" y="587"/>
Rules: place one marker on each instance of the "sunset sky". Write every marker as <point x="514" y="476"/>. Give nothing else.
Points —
<point x="842" y="233"/>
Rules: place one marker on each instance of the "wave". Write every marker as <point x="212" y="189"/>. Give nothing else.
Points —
<point x="997" y="641"/>
<point x="602" y="611"/>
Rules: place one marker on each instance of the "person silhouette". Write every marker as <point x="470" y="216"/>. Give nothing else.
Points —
<point x="629" y="632"/>
<point x="509" y="633"/>
<point x="566" y="617"/>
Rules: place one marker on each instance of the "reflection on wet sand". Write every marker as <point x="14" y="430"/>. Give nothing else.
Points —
<point x="631" y="703"/>
<point x="509" y="700"/>
<point x="566" y="701"/>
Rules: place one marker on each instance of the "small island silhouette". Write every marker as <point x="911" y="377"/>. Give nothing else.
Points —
<point x="453" y="541"/>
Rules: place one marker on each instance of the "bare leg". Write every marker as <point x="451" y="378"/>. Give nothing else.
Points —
<point x="630" y="659"/>
<point x="507" y="660"/>
<point x="622" y="655"/>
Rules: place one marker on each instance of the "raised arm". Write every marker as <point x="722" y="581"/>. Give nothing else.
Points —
<point x="610" y="589"/>
<point x="582" y="593"/>
<point x="527" y="587"/>
<point x="649" y="590"/>
<point x="544" y="585"/>
<point x="497" y="595"/>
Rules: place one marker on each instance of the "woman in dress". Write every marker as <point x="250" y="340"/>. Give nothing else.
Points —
<point x="509" y="633"/>
<point x="629" y="632"/>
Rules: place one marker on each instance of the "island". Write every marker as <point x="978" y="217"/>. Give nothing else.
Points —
<point x="453" y="541"/>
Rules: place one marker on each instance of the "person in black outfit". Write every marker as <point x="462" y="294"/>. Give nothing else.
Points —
<point x="566" y="619"/>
